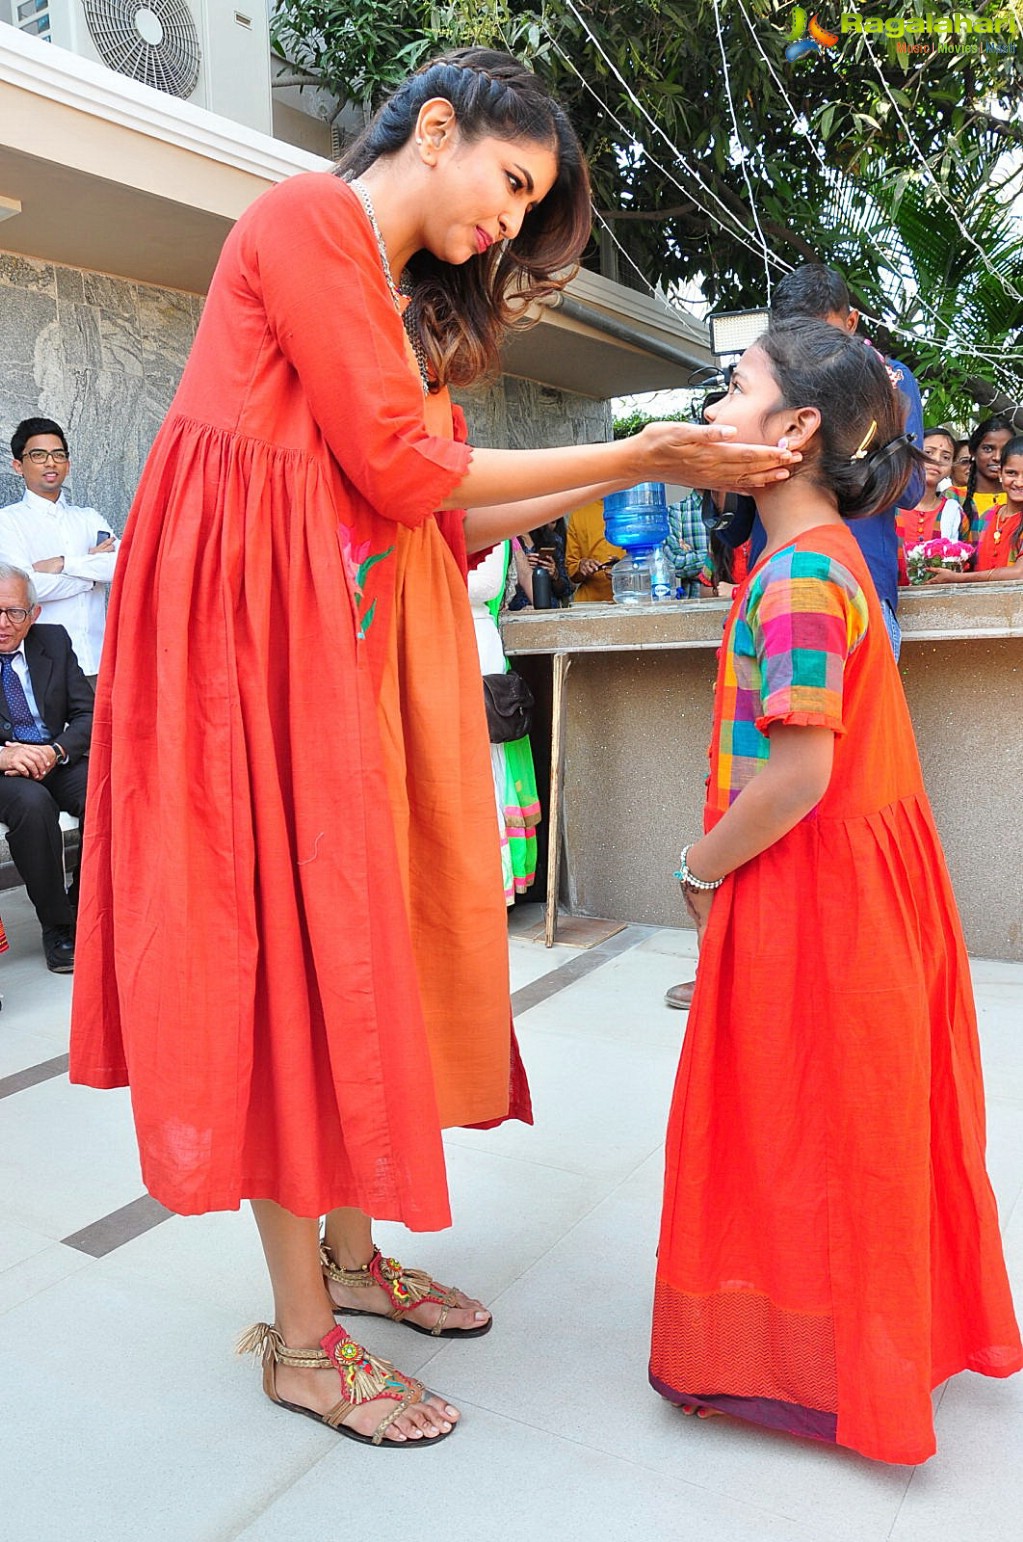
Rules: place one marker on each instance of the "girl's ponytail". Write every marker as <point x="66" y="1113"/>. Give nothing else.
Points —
<point x="886" y="471"/>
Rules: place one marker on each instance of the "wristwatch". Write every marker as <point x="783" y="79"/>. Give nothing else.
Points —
<point x="61" y="754"/>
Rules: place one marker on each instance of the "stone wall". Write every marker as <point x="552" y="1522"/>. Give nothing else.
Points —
<point x="103" y="357"/>
<point x="516" y="414"/>
<point x="100" y="355"/>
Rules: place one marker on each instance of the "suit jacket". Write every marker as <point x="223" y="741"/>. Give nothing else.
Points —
<point x="63" y="694"/>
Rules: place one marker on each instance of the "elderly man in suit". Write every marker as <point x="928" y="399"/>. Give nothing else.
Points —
<point x="46" y="708"/>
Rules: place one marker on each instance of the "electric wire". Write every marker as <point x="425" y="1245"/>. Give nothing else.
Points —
<point x="738" y="234"/>
<point x="999" y="278"/>
<point x="741" y="148"/>
<point x="748" y="235"/>
<point x="948" y="336"/>
<point x="909" y="295"/>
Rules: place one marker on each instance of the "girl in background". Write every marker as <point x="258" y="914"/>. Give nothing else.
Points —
<point x="829" y="1249"/>
<point x="515" y="791"/>
<point x="1000" y="541"/>
<point x="937" y="514"/>
<point x="983" y="486"/>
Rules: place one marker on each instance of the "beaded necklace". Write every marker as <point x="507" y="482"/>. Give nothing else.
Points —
<point x="407" y="311"/>
<point x="1002" y="517"/>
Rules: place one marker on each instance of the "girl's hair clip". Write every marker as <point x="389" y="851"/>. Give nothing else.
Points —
<point x="893" y="444"/>
<point x="861" y="453"/>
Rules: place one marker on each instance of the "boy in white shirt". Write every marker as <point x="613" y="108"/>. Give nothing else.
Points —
<point x="70" y="551"/>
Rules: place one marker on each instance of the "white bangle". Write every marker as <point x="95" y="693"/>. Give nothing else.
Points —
<point x="688" y="880"/>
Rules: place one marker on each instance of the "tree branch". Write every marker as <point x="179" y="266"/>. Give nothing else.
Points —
<point x="674" y="212"/>
<point x="297" y="78"/>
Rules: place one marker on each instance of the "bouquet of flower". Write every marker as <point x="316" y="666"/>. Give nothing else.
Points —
<point x="928" y="556"/>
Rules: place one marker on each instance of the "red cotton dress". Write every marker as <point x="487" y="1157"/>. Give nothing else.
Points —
<point x="829" y="1249"/>
<point x="998" y="539"/>
<point x="292" y="942"/>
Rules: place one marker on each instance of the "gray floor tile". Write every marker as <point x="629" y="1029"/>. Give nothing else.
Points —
<point x="551" y="1369"/>
<point x="128" y="1417"/>
<point x="497" y="1480"/>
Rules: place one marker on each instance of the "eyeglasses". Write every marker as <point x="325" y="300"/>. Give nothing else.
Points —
<point x="14" y="614"/>
<point x="40" y="457"/>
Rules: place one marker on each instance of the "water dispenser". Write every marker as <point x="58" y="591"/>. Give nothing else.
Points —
<point x="636" y="519"/>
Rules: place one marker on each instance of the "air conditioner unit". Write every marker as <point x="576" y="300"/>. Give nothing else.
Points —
<point x="214" y="53"/>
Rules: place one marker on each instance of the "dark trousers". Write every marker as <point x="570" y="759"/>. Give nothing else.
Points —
<point x="31" y="810"/>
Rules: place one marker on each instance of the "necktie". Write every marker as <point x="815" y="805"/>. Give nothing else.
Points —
<point x="25" y="730"/>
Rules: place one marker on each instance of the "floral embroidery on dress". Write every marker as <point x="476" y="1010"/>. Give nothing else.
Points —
<point x="358" y="561"/>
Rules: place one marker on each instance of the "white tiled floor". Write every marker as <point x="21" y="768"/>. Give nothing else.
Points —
<point x="126" y="1416"/>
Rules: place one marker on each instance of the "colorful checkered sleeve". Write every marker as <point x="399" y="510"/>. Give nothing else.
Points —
<point x="806" y="614"/>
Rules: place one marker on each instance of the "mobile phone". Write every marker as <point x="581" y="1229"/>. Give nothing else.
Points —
<point x="101" y="536"/>
<point x="546" y="551"/>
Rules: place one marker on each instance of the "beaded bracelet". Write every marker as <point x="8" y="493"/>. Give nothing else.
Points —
<point x="688" y="880"/>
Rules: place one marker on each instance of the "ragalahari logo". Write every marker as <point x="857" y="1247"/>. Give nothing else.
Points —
<point x="801" y="45"/>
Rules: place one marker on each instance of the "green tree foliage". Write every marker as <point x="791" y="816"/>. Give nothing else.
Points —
<point x="632" y="422"/>
<point x="894" y="165"/>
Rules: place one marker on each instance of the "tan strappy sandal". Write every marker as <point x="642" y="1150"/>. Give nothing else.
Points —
<point x="406" y="1288"/>
<point x="363" y="1378"/>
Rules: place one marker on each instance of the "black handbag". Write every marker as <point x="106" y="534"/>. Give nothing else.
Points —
<point x="509" y="703"/>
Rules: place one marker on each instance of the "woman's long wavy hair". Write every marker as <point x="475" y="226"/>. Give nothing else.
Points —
<point x="461" y="312"/>
<point x="817" y="365"/>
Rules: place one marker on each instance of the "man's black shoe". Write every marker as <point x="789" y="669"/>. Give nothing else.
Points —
<point x="59" y="947"/>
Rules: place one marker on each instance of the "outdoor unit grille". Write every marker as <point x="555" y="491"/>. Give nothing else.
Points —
<point x="156" y="43"/>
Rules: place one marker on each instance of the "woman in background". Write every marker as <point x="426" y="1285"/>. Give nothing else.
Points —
<point x="518" y="802"/>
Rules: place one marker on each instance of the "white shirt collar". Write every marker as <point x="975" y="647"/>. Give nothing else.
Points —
<point x="44" y="505"/>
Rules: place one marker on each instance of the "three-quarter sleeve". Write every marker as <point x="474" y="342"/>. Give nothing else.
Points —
<point x="314" y="262"/>
<point x="806" y="616"/>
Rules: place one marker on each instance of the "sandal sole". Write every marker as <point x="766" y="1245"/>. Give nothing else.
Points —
<point x="364" y="1440"/>
<point x="445" y="1333"/>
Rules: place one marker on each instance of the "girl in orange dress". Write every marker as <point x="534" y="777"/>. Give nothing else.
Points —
<point x="935" y="515"/>
<point x="829" y="1247"/>
<point x="292" y="936"/>
<point x="1000" y="540"/>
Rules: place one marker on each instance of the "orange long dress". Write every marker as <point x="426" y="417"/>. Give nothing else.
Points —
<point x="292" y="939"/>
<point x="829" y="1248"/>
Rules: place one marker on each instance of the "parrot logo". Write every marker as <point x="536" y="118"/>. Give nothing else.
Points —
<point x="802" y="45"/>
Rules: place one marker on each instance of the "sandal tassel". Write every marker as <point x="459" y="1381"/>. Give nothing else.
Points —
<point x="261" y="1339"/>
<point x="408" y="1286"/>
<point x="364" y="1375"/>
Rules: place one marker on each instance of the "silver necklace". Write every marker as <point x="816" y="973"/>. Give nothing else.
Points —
<point x="407" y="313"/>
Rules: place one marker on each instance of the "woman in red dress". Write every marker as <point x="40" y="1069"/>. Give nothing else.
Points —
<point x="292" y="937"/>
<point x="829" y="1247"/>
